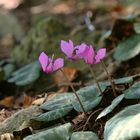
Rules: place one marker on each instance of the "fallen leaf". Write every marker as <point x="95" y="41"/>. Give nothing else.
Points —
<point x="61" y="81"/>
<point x="7" y="102"/>
<point x="27" y="100"/>
<point x="24" y="100"/>
<point x="38" y="101"/>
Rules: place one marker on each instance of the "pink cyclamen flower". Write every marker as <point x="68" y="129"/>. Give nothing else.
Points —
<point x="92" y="58"/>
<point x="50" y="65"/>
<point x="74" y="52"/>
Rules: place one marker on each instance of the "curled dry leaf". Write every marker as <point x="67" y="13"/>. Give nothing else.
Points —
<point x="27" y="100"/>
<point x="24" y="100"/>
<point x="38" y="101"/>
<point x="7" y="102"/>
<point x="59" y="78"/>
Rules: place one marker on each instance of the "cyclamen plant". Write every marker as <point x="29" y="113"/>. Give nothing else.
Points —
<point x="82" y="51"/>
<point x="87" y="53"/>
<point x="50" y="65"/>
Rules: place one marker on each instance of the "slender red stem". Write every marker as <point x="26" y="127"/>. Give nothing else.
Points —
<point x="71" y="85"/>
<point x="94" y="76"/>
<point x="109" y="78"/>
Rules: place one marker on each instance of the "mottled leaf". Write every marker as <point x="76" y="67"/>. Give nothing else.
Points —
<point x="109" y="109"/>
<point x="90" y="98"/>
<point x="133" y="92"/>
<point x="124" y="80"/>
<point x="8" y="69"/>
<point x="62" y="132"/>
<point x="59" y="101"/>
<point x="124" y="125"/>
<point x="26" y="75"/>
<point x="53" y="115"/>
<point x="85" y="135"/>
<point x="128" y="48"/>
<point x="137" y="28"/>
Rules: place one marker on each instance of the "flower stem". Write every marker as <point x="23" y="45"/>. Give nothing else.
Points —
<point x="109" y="78"/>
<point x="94" y="76"/>
<point x="71" y="85"/>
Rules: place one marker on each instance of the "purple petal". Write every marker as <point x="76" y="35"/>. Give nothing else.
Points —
<point x="43" y="59"/>
<point x="58" y="63"/>
<point x="89" y="56"/>
<point x="100" y="55"/>
<point x="49" y="68"/>
<point x="82" y="50"/>
<point x="67" y="47"/>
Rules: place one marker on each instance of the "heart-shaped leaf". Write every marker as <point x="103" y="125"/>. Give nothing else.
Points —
<point x="128" y="48"/>
<point x="53" y="115"/>
<point x="133" y="92"/>
<point x="90" y="98"/>
<point x="59" y="101"/>
<point x="124" y="80"/>
<point x="62" y="132"/>
<point x="125" y="125"/>
<point x="137" y="28"/>
<point x="87" y="135"/>
<point x="109" y="109"/>
<point x="8" y="69"/>
<point x="26" y="75"/>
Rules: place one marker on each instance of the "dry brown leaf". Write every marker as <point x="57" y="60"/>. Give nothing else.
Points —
<point x="7" y="102"/>
<point x="27" y="100"/>
<point x="38" y="101"/>
<point x="71" y="73"/>
<point x="24" y="100"/>
<point x="61" y="81"/>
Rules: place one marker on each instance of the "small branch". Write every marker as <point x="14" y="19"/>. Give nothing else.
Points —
<point x="67" y="84"/>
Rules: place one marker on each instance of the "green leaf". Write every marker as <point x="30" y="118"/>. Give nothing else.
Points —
<point x="62" y="132"/>
<point x="59" y="101"/>
<point x="125" y="125"/>
<point x="124" y="80"/>
<point x="26" y="75"/>
<point x="137" y="28"/>
<point x="128" y="48"/>
<point x="90" y="98"/>
<point x="8" y="69"/>
<point x="109" y="109"/>
<point x="53" y="115"/>
<point x="133" y="92"/>
<point x="87" y="135"/>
